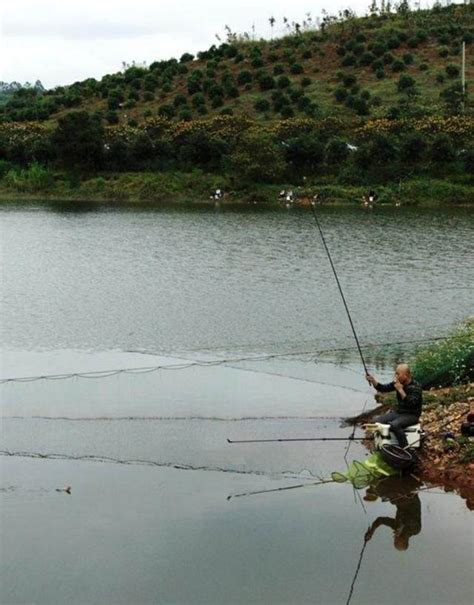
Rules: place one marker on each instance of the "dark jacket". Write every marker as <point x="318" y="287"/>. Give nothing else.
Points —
<point x="413" y="400"/>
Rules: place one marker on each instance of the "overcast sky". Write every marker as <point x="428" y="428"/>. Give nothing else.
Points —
<point x="60" y="42"/>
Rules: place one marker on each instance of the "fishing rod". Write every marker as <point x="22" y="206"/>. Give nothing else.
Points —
<point x="280" y="489"/>
<point x="350" y="438"/>
<point x="340" y="288"/>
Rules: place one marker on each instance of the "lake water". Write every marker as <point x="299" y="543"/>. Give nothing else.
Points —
<point x="93" y="288"/>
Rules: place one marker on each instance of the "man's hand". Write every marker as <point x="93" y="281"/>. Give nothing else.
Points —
<point x="399" y="387"/>
<point x="371" y="379"/>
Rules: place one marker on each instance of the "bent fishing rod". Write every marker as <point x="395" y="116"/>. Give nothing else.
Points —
<point x="323" y="239"/>
<point x="350" y="438"/>
<point x="346" y="307"/>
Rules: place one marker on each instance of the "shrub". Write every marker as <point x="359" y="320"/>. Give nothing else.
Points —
<point x="79" y="139"/>
<point x="443" y="51"/>
<point x="266" y="82"/>
<point x="198" y="100"/>
<point x="398" y="65"/>
<point x="244" y="77"/>
<point x="366" y="58"/>
<point x="408" y="58"/>
<point x="305" y="82"/>
<point x="167" y="111"/>
<point x="447" y="362"/>
<point x="336" y="152"/>
<point x="378" y="49"/>
<point x="304" y="103"/>
<point x="361" y="106"/>
<point x="442" y="149"/>
<point x="423" y="67"/>
<point x="380" y="74"/>
<point x="283" y="82"/>
<point x="452" y="70"/>
<point x="112" y="117"/>
<point x="393" y="42"/>
<point x="295" y="94"/>
<point x="348" y="60"/>
<point x="440" y="78"/>
<point x="405" y="82"/>
<point x="257" y="157"/>
<point x="468" y="37"/>
<point x="350" y="101"/>
<point x="454" y="97"/>
<point x="304" y="152"/>
<point x="36" y="178"/>
<point x="186" y="58"/>
<point x="113" y="103"/>
<point x="377" y="64"/>
<point x="349" y="80"/>
<point x="412" y="148"/>
<point x="340" y="94"/>
<point x="358" y="49"/>
<point x="180" y="99"/>
<point x="413" y="42"/>
<point x="278" y="69"/>
<point x="262" y="105"/>
<point x="217" y="101"/>
<point x="257" y="62"/>
<point x="287" y="112"/>
<point x="296" y="69"/>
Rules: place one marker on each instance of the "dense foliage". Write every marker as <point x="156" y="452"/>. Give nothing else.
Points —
<point x="286" y="150"/>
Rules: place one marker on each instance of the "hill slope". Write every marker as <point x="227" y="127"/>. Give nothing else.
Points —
<point x="403" y="64"/>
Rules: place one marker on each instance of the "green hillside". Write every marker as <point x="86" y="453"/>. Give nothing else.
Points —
<point x="395" y="64"/>
<point x="363" y="102"/>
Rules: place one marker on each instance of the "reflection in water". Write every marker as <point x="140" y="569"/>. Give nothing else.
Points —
<point x="402" y="492"/>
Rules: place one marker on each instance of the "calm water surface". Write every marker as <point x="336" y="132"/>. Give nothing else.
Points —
<point x="149" y="519"/>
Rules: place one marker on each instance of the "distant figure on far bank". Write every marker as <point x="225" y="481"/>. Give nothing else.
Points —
<point x="316" y="200"/>
<point x="217" y="194"/>
<point x="369" y="199"/>
<point x="409" y="399"/>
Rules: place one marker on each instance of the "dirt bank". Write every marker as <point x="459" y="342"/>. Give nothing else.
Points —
<point x="446" y="456"/>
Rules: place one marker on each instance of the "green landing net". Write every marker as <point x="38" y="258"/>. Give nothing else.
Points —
<point x="362" y="474"/>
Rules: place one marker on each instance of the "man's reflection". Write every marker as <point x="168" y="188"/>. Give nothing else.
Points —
<point x="402" y="492"/>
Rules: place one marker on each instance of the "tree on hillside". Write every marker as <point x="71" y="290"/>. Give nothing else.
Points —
<point x="258" y="157"/>
<point x="79" y="140"/>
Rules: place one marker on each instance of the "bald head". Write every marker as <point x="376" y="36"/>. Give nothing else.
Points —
<point x="403" y="373"/>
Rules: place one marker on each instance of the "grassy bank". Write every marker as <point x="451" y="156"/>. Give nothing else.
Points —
<point x="37" y="183"/>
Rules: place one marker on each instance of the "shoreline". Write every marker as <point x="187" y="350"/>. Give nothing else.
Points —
<point x="446" y="463"/>
<point x="194" y="189"/>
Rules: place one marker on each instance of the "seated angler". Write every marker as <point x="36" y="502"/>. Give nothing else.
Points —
<point x="409" y="399"/>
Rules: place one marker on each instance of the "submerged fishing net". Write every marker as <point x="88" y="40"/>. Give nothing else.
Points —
<point x="362" y="474"/>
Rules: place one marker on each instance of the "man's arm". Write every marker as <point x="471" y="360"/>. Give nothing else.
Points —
<point x="381" y="388"/>
<point x="388" y="521"/>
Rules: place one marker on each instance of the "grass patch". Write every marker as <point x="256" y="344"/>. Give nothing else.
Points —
<point x="448" y="362"/>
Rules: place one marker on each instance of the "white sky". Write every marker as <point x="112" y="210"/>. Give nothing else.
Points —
<point x="60" y="42"/>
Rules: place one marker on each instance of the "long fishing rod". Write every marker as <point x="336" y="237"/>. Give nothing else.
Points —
<point x="350" y="438"/>
<point x="340" y="288"/>
<point x="280" y="489"/>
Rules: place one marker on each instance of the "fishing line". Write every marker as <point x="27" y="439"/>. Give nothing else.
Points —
<point x="340" y="288"/>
